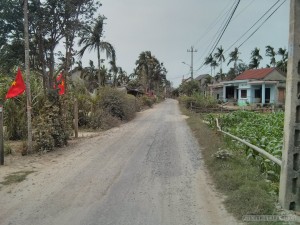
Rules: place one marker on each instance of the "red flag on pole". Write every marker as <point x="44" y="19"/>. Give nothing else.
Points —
<point x="17" y="87"/>
<point x="61" y="84"/>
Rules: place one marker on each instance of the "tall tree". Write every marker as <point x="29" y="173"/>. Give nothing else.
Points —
<point x="91" y="39"/>
<point x="28" y="90"/>
<point x="234" y="57"/>
<point x="219" y="55"/>
<point x="255" y="58"/>
<point x="271" y="53"/>
<point x="213" y="65"/>
<point x="282" y="63"/>
<point x="150" y="72"/>
<point x="208" y="61"/>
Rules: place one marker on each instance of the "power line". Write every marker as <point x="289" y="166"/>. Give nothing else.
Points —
<point x="253" y="25"/>
<point x="223" y="31"/>
<point x="262" y="23"/>
<point x="218" y="32"/>
<point x="213" y="24"/>
<point x="225" y="27"/>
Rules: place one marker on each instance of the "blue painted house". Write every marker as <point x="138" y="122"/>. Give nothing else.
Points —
<point x="256" y="86"/>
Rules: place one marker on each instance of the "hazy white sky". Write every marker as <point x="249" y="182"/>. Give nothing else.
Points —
<point x="168" y="28"/>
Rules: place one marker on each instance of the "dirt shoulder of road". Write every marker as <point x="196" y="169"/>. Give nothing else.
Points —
<point x="245" y="189"/>
<point x="16" y="163"/>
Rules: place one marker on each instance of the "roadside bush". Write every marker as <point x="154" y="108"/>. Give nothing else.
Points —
<point x="117" y="103"/>
<point x="102" y="119"/>
<point x="198" y="100"/>
<point x="147" y="101"/>
<point x="50" y="130"/>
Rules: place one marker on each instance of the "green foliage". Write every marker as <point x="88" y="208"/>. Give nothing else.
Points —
<point x="50" y="129"/>
<point x="198" y="100"/>
<point x="239" y="179"/>
<point x="262" y="130"/>
<point x="255" y="199"/>
<point x="117" y="103"/>
<point x="190" y="87"/>
<point x="147" y="100"/>
<point x="222" y="154"/>
<point x="7" y="149"/>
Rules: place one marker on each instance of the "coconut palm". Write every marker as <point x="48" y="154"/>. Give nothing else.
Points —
<point x="255" y="58"/>
<point x="271" y="53"/>
<point x="282" y="64"/>
<point x="208" y="61"/>
<point x="213" y="65"/>
<point x="91" y="39"/>
<point x="234" y="57"/>
<point x="219" y="55"/>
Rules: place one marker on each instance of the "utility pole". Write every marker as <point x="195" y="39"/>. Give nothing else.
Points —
<point x="27" y="71"/>
<point x="192" y="50"/>
<point x="289" y="192"/>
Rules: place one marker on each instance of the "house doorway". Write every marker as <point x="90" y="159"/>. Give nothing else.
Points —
<point x="267" y="95"/>
<point x="229" y="92"/>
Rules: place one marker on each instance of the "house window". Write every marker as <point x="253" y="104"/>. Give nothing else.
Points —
<point x="257" y="93"/>
<point x="243" y="93"/>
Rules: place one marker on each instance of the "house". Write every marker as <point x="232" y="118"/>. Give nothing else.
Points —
<point x="263" y="86"/>
<point x="203" y="80"/>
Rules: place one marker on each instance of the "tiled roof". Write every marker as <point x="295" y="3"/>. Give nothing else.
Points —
<point x="256" y="74"/>
<point x="201" y="76"/>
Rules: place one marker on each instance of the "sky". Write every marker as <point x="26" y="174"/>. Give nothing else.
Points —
<point x="168" y="28"/>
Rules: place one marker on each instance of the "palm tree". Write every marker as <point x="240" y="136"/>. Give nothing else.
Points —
<point x="254" y="63"/>
<point x="234" y="57"/>
<point x="255" y="58"/>
<point x="114" y="69"/>
<point x="213" y="65"/>
<point x="282" y="64"/>
<point x="208" y="61"/>
<point x="122" y="77"/>
<point x="271" y="53"/>
<point x="219" y="55"/>
<point x="91" y="39"/>
<point x="89" y="75"/>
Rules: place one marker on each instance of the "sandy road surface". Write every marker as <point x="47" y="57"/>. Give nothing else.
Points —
<point x="146" y="172"/>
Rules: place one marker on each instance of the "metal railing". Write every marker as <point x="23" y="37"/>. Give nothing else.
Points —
<point x="259" y="150"/>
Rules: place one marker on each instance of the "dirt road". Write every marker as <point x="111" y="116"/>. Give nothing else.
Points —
<point x="146" y="172"/>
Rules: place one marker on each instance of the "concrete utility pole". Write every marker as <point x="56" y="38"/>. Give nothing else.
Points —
<point x="192" y="50"/>
<point x="289" y="192"/>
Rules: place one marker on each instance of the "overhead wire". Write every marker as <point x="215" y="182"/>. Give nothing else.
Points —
<point x="223" y="31"/>
<point x="217" y="33"/>
<point x="244" y="34"/>
<point x="253" y="26"/>
<point x="261" y="24"/>
<point x="213" y="24"/>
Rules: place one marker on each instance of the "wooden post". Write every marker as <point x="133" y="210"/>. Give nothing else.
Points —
<point x="76" y="118"/>
<point x="1" y="137"/>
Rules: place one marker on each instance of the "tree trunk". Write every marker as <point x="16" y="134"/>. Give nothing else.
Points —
<point x="99" y="66"/>
<point x="27" y="71"/>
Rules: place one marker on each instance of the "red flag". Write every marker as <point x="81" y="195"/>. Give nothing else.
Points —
<point x="61" y="84"/>
<point x="17" y="87"/>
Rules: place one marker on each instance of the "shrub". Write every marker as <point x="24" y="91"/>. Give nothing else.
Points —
<point x="118" y="104"/>
<point x="198" y="100"/>
<point x="147" y="100"/>
<point x="50" y="130"/>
